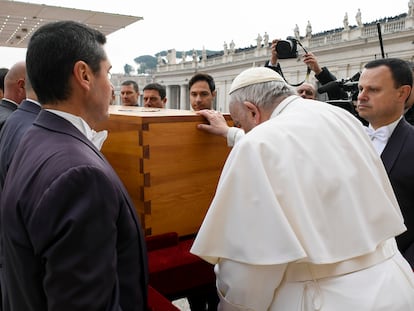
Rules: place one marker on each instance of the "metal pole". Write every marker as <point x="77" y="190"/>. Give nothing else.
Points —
<point x="380" y="40"/>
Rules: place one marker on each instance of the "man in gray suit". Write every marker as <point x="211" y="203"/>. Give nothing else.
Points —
<point x="10" y="135"/>
<point x="14" y="90"/>
<point x="15" y="126"/>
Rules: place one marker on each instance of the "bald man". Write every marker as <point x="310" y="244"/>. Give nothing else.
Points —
<point x="306" y="90"/>
<point x="14" y="90"/>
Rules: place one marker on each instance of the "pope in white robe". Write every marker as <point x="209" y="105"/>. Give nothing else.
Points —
<point x="304" y="216"/>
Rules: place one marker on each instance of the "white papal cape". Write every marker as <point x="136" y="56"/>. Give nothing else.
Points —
<point x="305" y="186"/>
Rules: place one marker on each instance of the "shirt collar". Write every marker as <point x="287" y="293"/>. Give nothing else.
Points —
<point x="33" y="101"/>
<point x="10" y="101"/>
<point x="97" y="138"/>
<point x="388" y="129"/>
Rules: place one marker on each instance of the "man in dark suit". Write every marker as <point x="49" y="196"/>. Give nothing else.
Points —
<point x="3" y="72"/>
<point x="385" y="85"/>
<point x="397" y="157"/>
<point x="10" y="135"/>
<point x="71" y="239"/>
<point x="14" y="128"/>
<point x="14" y="90"/>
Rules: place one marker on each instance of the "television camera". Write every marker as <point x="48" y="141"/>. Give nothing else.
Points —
<point x="348" y="87"/>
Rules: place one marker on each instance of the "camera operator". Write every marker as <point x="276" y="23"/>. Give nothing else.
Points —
<point x="322" y="74"/>
<point x="304" y="90"/>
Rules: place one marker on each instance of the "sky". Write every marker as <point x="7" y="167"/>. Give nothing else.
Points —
<point x="185" y="25"/>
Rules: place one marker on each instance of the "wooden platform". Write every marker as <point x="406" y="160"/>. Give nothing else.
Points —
<point x="169" y="167"/>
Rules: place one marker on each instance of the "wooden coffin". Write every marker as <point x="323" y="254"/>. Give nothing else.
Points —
<point x="169" y="167"/>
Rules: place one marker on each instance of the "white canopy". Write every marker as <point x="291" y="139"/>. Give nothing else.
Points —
<point x="18" y="20"/>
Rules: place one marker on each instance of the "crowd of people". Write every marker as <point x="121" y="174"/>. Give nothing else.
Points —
<point x="203" y="92"/>
<point x="313" y="209"/>
<point x="154" y="94"/>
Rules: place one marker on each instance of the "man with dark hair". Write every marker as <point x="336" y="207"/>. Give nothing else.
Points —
<point x="202" y="91"/>
<point x="384" y="87"/>
<point x="71" y="239"/>
<point x="129" y="93"/>
<point x="155" y="95"/>
<point x="3" y="72"/>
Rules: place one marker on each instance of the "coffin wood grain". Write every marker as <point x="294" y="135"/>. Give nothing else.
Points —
<point x="168" y="166"/>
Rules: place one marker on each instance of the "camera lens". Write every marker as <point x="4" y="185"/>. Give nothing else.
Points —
<point x="286" y="49"/>
<point x="284" y="46"/>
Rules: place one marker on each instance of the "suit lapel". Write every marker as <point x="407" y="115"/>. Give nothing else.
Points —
<point x="53" y="122"/>
<point x="395" y="144"/>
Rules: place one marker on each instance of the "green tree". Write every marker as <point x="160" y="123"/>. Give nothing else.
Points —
<point x="128" y="69"/>
<point x="147" y="63"/>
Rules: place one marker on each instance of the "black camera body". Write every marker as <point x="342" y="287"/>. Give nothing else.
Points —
<point x="349" y="85"/>
<point x="287" y="48"/>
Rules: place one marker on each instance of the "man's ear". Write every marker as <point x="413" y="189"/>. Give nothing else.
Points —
<point x="22" y="87"/>
<point x="405" y="91"/>
<point x="253" y="110"/>
<point x="82" y="74"/>
<point x="21" y="83"/>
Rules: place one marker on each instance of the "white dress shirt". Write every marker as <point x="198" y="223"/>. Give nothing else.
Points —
<point x="97" y="138"/>
<point x="380" y="136"/>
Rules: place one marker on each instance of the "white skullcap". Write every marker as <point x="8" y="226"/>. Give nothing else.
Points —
<point x="254" y="75"/>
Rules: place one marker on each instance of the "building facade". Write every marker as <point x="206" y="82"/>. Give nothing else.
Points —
<point x="344" y="51"/>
